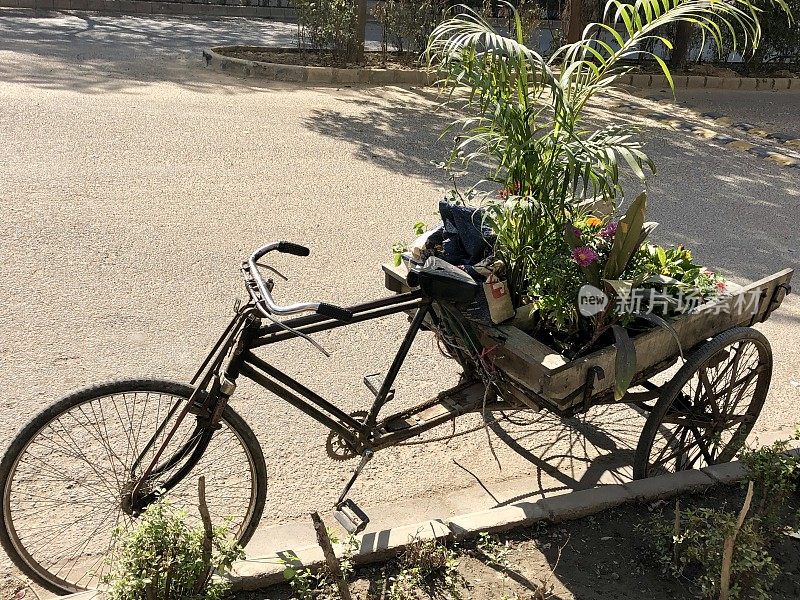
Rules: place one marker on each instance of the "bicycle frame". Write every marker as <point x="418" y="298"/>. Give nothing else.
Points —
<point x="301" y="397"/>
<point x="232" y="356"/>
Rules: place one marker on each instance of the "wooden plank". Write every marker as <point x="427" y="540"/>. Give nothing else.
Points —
<point x="395" y="278"/>
<point x="658" y="345"/>
<point x="520" y="356"/>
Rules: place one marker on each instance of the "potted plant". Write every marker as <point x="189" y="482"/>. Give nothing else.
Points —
<point x="556" y="207"/>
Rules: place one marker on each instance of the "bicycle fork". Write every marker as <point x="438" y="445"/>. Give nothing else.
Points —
<point x="217" y="384"/>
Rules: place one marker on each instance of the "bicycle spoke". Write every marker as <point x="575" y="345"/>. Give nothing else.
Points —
<point x="66" y="495"/>
<point x="710" y="406"/>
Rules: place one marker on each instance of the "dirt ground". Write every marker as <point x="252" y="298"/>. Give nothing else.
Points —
<point x="609" y="555"/>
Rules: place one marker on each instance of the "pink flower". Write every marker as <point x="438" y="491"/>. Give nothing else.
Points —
<point x="610" y="229"/>
<point x="721" y="286"/>
<point x="584" y="256"/>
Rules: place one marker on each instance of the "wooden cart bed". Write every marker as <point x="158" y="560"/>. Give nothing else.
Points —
<point x="564" y="384"/>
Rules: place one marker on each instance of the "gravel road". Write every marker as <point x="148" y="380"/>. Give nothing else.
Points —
<point x="135" y="182"/>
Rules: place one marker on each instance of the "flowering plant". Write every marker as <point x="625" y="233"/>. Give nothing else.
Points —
<point x="636" y="281"/>
<point x="525" y="119"/>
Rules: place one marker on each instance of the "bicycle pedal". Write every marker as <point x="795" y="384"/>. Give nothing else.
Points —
<point x="373" y="381"/>
<point x="351" y="517"/>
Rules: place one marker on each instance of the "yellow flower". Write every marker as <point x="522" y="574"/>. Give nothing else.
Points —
<point x="594" y="221"/>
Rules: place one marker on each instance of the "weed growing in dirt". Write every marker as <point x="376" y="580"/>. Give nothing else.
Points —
<point x="164" y="558"/>
<point x="691" y="547"/>
<point x="776" y="476"/>
<point x="320" y="585"/>
<point x="429" y="565"/>
<point x="493" y="550"/>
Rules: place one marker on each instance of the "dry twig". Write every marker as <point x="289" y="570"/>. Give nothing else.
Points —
<point x="730" y="541"/>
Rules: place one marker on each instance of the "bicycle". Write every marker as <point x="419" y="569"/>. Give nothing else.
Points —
<point x="97" y="458"/>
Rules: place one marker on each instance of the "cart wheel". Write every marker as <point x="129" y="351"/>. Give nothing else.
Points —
<point x="705" y="412"/>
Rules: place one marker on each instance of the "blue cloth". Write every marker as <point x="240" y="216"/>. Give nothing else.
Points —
<point x="466" y="240"/>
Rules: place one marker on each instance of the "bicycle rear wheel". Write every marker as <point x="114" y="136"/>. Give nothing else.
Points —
<point x="66" y="478"/>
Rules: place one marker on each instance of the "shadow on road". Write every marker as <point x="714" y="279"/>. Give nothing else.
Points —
<point x="400" y="132"/>
<point x="738" y="213"/>
<point x="575" y="453"/>
<point x="95" y="53"/>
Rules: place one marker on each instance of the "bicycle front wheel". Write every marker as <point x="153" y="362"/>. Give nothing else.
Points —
<point x="66" y="478"/>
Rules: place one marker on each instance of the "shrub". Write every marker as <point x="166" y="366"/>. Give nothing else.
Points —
<point x="697" y="551"/>
<point x="408" y="23"/>
<point x="328" y="25"/>
<point x="163" y="558"/>
<point x="776" y="475"/>
<point x="781" y="36"/>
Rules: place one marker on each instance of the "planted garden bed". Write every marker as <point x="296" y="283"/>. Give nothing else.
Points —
<point x="293" y="56"/>
<point x="543" y="373"/>
<point x="614" y="554"/>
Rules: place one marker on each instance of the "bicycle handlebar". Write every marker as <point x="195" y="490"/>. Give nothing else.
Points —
<point x="322" y="308"/>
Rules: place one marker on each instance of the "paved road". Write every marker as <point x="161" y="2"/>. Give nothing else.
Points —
<point x="135" y="182"/>
<point x="770" y="110"/>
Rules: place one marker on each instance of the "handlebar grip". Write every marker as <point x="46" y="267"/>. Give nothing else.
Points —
<point x="335" y="312"/>
<point x="291" y="248"/>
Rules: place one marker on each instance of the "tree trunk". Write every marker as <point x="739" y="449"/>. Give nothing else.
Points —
<point x="575" y="20"/>
<point x="680" y="47"/>
<point x="577" y="15"/>
<point x="361" y="28"/>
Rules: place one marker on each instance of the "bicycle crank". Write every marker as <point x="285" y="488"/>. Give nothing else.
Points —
<point x="338" y="448"/>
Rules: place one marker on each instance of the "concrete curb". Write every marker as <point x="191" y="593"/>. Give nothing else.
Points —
<point x="313" y="75"/>
<point x="260" y="572"/>
<point x="378" y="546"/>
<point x="367" y="76"/>
<point x="645" y="81"/>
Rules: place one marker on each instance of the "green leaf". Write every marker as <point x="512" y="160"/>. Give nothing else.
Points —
<point x="661" y="254"/>
<point x="665" y="70"/>
<point x="647" y="229"/>
<point x="626" y="240"/>
<point x="621" y="287"/>
<point x="625" y="365"/>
